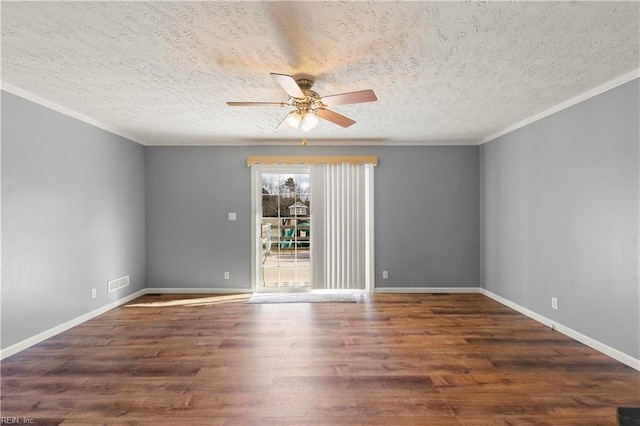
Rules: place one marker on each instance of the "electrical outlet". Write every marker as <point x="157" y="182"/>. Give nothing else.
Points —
<point x="94" y="293"/>
<point x="554" y="303"/>
<point x="385" y="274"/>
<point x="226" y="275"/>
<point x="232" y="216"/>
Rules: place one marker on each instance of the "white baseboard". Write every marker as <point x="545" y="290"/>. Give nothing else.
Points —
<point x="26" y="343"/>
<point x="426" y="290"/>
<point x="178" y="290"/>
<point x="575" y="335"/>
<point x="599" y="346"/>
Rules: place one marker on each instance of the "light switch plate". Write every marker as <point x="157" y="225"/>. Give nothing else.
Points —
<point x="232" y="215"/>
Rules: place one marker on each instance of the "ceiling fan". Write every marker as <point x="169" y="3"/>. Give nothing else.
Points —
<point x="309" y="105"/>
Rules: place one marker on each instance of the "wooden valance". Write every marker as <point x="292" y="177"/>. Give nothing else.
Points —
<point x="313" y="159"/>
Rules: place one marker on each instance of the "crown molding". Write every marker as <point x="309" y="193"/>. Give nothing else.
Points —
<point x="566" y="104"/>
<point x="9" y="88"/>
<point x="328" y="142"/>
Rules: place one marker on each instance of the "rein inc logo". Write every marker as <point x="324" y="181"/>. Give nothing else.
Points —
<point x="17" y="421"/>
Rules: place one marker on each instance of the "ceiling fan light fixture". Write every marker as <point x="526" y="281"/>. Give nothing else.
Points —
<point x="294" y="119"/>
<point x="309" y="121"/>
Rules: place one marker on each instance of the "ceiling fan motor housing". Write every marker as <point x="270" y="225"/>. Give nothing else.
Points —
<point x="312" y="99"/>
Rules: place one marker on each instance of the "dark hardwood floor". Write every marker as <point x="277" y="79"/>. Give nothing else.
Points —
<point x="421" y="359"/>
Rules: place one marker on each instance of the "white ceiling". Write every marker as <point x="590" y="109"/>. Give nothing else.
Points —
<point x="160" y="73"/>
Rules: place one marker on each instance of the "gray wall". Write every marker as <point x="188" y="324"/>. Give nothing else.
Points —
<point x="72" y="217"/>
<point x="426" y="214"/>
<point x="560" y="217"/>
<point x="190" y="241"/>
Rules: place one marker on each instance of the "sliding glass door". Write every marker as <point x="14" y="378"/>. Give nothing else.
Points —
<point x="312" y="227"/>
<point x="284" y="227"/>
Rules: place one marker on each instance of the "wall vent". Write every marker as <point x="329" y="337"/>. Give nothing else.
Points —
<point x="118" y="283"/>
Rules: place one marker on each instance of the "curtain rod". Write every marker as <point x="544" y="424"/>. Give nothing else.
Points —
<point x="314" y="159"/>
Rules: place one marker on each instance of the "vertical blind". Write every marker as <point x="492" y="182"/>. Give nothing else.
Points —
<point x="342" y="203"/>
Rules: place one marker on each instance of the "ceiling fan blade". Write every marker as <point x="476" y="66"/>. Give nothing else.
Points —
<point x="350" y="98"/>
<point x="257" y="104"/>
<point x="334" y="117"/>
<point x="289" y="85"/>
<point x="284" y="120"/>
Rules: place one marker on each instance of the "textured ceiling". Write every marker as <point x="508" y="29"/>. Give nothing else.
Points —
<point x="161" y="72"/>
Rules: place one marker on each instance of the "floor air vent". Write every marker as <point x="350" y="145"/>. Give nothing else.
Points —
<point x="118" y="283"/>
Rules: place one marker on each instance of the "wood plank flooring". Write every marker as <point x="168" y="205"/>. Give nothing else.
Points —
<point x="424" y="359"/>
